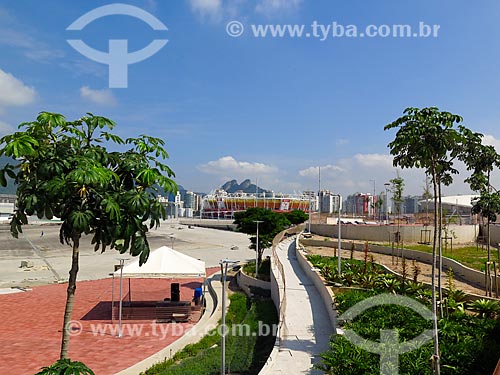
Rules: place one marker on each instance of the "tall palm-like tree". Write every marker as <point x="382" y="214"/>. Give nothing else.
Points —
<point x="426" y="138"/>
<point x="65" y="171"/>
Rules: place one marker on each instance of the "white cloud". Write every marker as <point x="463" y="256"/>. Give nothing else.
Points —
<point x="491" y="141"/>
<point x="229" y="166"/>
<point x="13" y="92"/>
<point x="341" y="142"/>
<point x="5" y="128"/>
<point x="14" y="34"/>
<point x="152" y="5"/>
<point x="102" y="97"/>
<point x="374" y="160"/>
<point x="325" y="170"/>
<point x="15" y="38"/>
<point x="207" y="8"/>
<point x="270" y="7"/>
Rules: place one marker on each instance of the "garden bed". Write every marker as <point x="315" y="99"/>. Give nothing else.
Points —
<point x="469" y="334"/>
<point x="246" y="351"/>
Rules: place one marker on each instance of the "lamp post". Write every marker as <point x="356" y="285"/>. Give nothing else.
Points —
<point x="373" y="200"/>
<point x="223" y="267"/>
<point x="309" y="211"/>
<point x="122" y="262"/>
<point x="257" y="248"/>
<point x="386" y="203"/>
<point x="339" y="223"/>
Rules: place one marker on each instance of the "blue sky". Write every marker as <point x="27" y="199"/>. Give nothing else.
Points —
<point x="272" y="109"/>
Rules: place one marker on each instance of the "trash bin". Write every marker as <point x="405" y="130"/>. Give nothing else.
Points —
<point x="198" y="292"/>
<point x="175" y="292"/>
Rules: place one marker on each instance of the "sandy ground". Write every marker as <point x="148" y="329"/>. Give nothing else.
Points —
<point x="39" y="245"/>
<point x="387" y="260"/>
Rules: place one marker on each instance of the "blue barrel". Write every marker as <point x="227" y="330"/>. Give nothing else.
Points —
<point x="198" y="292"/>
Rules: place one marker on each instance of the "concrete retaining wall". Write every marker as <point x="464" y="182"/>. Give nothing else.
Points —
<point x="210" y="223"/>
<point x="319" y="282"/>
<point x="385" y="233"/>
<point x="494" y="234"/>
<point x="460" y="271"/>
<point x="245" y="282"/>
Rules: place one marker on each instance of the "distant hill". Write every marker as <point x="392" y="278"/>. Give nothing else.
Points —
<point x="246" y="187"/>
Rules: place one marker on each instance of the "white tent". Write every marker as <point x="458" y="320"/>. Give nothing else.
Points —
<point x="165" y="262"/>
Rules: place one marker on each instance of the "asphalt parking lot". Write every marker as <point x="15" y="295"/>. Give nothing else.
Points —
<point x="50" y="261"/>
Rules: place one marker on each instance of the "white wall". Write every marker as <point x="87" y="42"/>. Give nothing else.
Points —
<point x="385" y="233"/>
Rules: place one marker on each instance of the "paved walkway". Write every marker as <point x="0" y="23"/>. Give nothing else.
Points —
<point x="307" y="327"/>
<point x="30" y="326"/>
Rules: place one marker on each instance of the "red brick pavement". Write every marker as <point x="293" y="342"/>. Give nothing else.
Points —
<point x="31" y="322"/>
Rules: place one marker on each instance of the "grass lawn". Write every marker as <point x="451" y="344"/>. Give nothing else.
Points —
<point x="469" y="256"/>
<point x="246" y="352"/>
<point x="264" y="269"/>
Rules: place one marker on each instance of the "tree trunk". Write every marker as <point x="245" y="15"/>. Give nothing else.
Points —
<point x="487" y="270"/>
<point x="488" y="233"/>
<point x="436" y="362"/>
<point x="440" y="247"/>
<point x="488" y="239"/>
<point x="70" y="299"/>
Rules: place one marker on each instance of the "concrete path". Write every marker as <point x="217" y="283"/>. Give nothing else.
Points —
<point x="307" y="328"/>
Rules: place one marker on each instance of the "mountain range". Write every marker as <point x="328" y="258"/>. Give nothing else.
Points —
<point x="246" y="187"/>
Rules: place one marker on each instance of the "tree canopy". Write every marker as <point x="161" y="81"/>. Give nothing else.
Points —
<point x="64" y="170"/>
<point x="296" y="217"/>
<point x="271" y="224"/>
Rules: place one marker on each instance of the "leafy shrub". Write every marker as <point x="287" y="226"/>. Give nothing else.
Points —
<point x="66" y="367"/>
<point x="264" y="269"/>
<point x="485" y="308"/>
<point x="243" y="352"/>
<point x="470" y="345"/>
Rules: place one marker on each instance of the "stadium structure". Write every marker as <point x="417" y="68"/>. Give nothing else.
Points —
<point x="222" y="205"/>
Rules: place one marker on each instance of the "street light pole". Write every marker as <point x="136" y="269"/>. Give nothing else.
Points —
<point x="373" y="199"/>
<point x="386" y="203"/>
<point x="339" y="223"/>
<point x="223" y="267"/>
<point x="257" y="248"/>
<point x="120" y="309"/>
<point x="309" y="221"/>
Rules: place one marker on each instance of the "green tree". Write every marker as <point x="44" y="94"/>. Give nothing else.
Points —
<point x="426" y="138"/>
<point x="65" y="171"/>
<point x="296" y="217"/>
<point x="481" y="160"/>
<point x="271" y="224"/>
<point x="397" y="187"/>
